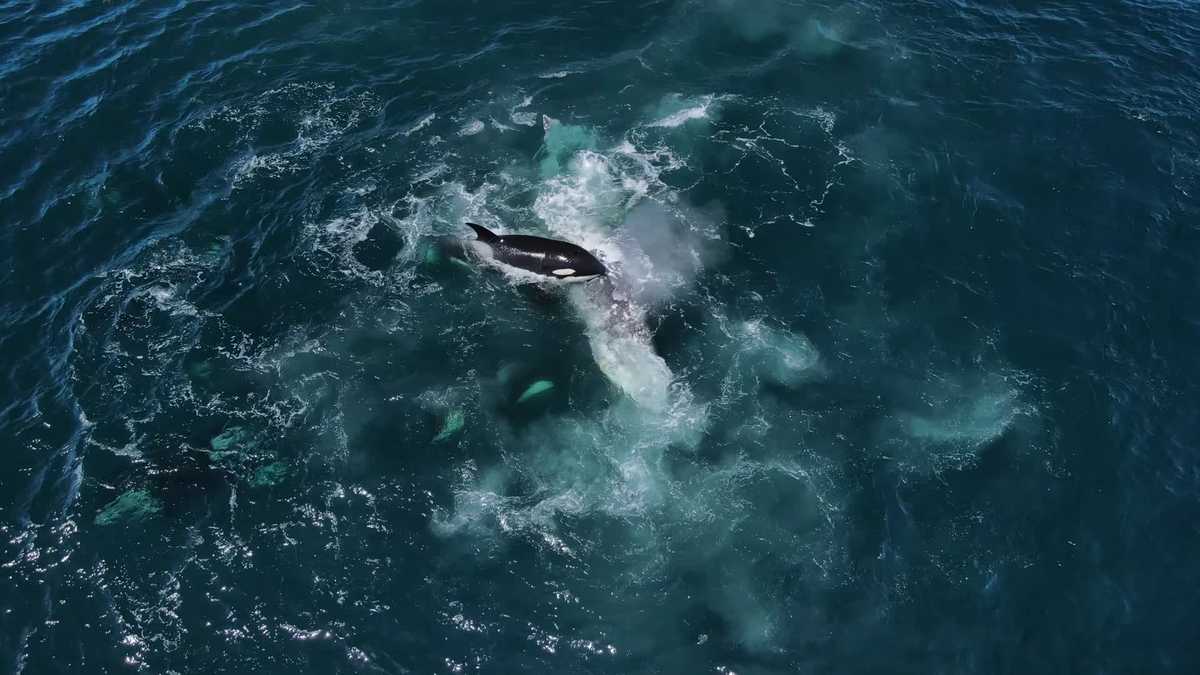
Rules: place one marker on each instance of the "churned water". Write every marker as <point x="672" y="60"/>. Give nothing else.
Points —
<point x="897" y="371"/>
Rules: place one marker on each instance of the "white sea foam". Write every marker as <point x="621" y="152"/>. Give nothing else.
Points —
<point x="774" y="354"/>
<point x="319" y="116"/>
<point x="271" y="164"/>
<point x="582" y="204"/>
<point x="471" y="128"/>
<point x="823" y="117"/>
<point x="519" y="115"/>
<point x="579" y="465"/>
<point x="694" y="110"/>
<point x="421" y="124"/>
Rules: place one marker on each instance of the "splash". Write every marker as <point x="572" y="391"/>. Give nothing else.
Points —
<point x="677" y="111"/>
<point x="577" y="466"/>
<point x="471" y="128"/>
<point x="664" y="248"/>
<point x="561" y="142"/>
<point x="518" y="114"/>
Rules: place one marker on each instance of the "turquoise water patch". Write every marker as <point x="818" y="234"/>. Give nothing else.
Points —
<point x="560" y="143"/>
<point x="230" y="439"/>
<point x="270" y="475"/>
<point x="131" y="507"/>
<point x="451" y="425"/>
<point x="539" y="388"/>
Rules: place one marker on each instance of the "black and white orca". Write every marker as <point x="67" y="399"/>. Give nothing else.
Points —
<point x="551" y="258"/>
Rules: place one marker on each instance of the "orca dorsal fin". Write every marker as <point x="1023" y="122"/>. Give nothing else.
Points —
<point x="483" y="234"/>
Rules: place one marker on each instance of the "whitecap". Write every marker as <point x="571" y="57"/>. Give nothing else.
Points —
<point x="421" y="124"/>
<point x="471" y="128"/>
<point x="694" y="111"/>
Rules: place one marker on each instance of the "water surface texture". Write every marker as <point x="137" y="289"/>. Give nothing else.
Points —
<point x="898" y="373"/>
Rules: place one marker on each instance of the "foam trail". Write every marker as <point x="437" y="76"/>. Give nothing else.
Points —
<point x="421" y="124"/>
<point x="698" y="110"/>
<point x="471" y="128"/>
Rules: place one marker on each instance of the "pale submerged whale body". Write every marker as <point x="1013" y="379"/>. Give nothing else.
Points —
<point x="616" y="325"/>
<point x="550" y="258"/>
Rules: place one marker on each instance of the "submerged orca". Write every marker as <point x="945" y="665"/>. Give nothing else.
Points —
<point x="551" y="258"/>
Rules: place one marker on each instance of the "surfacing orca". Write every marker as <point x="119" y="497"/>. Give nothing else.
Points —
<point x="551" y="258"/>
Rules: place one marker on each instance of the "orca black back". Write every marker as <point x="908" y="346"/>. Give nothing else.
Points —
<point x="552" y="258"/>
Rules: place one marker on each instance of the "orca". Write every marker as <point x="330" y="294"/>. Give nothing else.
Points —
<point x="556" y="260"/>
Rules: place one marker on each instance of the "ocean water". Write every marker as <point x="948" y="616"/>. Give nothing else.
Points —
<point x="897" y="372"/>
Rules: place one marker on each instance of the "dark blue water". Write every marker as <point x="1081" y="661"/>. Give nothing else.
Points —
<point x="900" y="375"/>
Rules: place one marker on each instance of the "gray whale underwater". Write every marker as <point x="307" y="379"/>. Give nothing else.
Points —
<point x="615" y="324"/>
